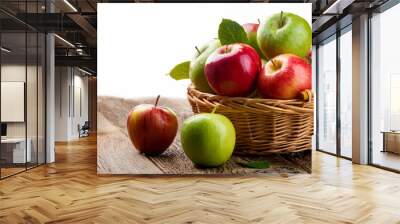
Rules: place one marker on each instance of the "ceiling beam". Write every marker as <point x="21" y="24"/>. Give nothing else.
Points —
<point x="84" y="24"/>
<point x="320" y="22"/>
<point x="338" y="6"/>
<point x="81" y="61"/>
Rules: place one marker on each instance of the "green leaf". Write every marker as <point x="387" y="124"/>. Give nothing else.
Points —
<point x="230" y="32"/>
<point x="254" y="164"/>
<point x="180" y="71"/>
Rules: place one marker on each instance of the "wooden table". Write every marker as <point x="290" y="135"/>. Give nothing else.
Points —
<point x="14" y="151"/>
<point x="117" y="155"/>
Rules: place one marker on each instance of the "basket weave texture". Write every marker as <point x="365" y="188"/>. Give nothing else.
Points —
<point x="263" y="126"/>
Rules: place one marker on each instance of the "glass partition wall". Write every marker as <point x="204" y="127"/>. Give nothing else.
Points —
<point x="326" y="98"/>
<point x="334" y="90"/>
<point x="334" y="94"/>
<point x="385" y="90"/>
<point x="14" y="155"/>
<point x="22" y="116"/>
<point x="345" y="92"/>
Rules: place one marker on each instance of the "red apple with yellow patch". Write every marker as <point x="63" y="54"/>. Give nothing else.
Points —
<point x="232" y="69"/>
<point x="152" y="128"/>
<point x="284" y="77"/>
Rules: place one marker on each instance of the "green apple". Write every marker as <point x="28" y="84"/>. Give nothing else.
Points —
<point x="196" y="71"/>
<point x="208" y="139"/>
<point x="284" y="33"/>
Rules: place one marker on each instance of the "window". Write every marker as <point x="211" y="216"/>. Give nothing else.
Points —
<point x="346" y="92"/>
<point x="385" y="89"/>
<point x="327" y="95"/>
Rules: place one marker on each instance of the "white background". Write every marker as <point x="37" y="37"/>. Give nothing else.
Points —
<point x="139" y="43"/>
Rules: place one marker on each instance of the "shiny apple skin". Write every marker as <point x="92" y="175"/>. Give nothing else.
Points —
<point x="196" y="71"/>
<point x="152" y="129"/>
<point x="232" y="70"/>
<point x="284" y="33"/>
<point x="286" y="82"/>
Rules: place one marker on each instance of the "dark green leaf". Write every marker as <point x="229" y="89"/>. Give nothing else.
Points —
<point x="230" y="32"/>
<point x="254" y="164"/>
<point x="180" y="71"/>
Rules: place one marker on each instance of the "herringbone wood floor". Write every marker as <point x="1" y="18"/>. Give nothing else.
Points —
<point x="69" y="191"/>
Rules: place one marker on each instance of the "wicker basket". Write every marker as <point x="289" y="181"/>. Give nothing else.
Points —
<point x="263" y="126"/>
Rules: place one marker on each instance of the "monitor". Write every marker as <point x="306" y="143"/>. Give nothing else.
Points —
<point x="3" y="129"/>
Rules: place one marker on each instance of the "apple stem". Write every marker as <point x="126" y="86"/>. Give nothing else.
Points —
<point x="226" y="48"/>
<point x="215" y="109"/>
<point x="281" y="21"/>
<point x="272" y="61"/>
<point x="158" y="97"/>
<point x="197" y="49"/>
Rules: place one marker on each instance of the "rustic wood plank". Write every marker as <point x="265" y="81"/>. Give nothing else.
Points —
<point x="115" y="154"/>
<point x="174" y="161"/>
<point x="112" y="113"/>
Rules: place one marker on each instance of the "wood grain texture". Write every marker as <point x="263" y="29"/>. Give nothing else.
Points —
<point x="116" y="154"/>
<point x="70" y="191"/>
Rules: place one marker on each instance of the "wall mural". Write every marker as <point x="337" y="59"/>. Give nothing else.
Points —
<point x="204" y="89"/>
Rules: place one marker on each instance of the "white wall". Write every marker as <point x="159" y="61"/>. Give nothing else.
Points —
<point x="12" y="73"/>
<point x="62" y="81"/>
<point x="9" y="73"/>
<point x="16" y="72"/>
<point x="33" y="127"/>
<point x="132" y="65"/>
<point x="79" y="117"/>
<point x="70" y="81"/>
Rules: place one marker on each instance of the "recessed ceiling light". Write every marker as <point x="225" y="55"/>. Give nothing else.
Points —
<point x="64" y="40"/>
<point x="5" y="50"/>
<point x="84" y="71"/>
<point x="70" y="5"/>
<point x="338" y="6"/>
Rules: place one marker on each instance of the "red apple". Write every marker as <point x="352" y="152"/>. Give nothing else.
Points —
<point x="152" y="128"/>
<point x="232" y="70"/>
<point x="251" y="31"/>
<point x="284" y="77"/>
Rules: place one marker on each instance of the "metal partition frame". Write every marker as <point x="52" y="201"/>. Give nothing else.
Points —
<point x="44" y="76"/>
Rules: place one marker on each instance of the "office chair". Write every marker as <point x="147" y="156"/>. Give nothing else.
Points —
<point x="84" y="130"/>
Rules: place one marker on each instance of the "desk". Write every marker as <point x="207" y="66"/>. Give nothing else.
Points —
<point x="16" y="148"/>
<point x="391" y="141"/>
